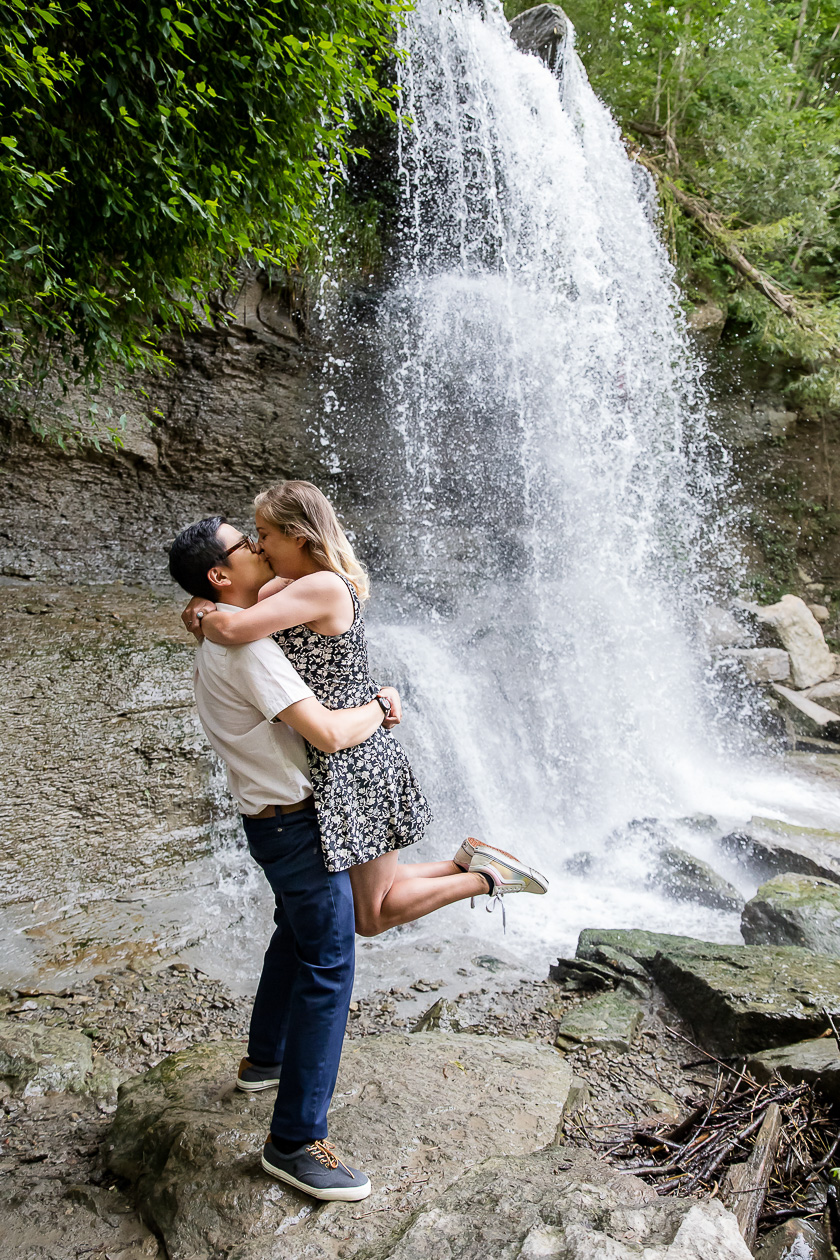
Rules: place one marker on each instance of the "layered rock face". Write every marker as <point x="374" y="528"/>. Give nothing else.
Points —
<point x="231" y="418"/>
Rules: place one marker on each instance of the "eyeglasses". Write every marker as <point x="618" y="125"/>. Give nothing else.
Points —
<point x="244" y="541"/>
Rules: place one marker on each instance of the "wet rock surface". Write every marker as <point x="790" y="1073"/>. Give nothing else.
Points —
<point x="97" y="694"/>
<point x="688" y="878"/>
<point x="794" y="910"/>
<point x="564" y="1205"/>
<point x="542" y="31"/>
<point x="413" y="1110"/>
<point x="738" y="999"/>
<point x="794" y="1240"/>
<point x="770" y="847"/>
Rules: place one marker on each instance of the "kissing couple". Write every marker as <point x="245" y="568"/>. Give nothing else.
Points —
<point x="326" y="792"/>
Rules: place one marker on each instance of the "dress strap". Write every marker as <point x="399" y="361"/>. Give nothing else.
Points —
<point x="357" y="606"/>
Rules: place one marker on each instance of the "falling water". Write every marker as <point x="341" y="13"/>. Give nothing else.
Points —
<point x="526" y="424"/>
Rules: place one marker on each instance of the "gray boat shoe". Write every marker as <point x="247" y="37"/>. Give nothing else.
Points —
<point x="316" y="1169"/>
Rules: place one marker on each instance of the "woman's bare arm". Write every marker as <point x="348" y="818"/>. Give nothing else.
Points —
<point x="316" y="597"/>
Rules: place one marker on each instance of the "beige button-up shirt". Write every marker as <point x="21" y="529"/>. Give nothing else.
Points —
<point x="240" y="691"/>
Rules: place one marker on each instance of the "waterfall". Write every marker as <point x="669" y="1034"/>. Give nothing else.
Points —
<point x="524" y="424"/>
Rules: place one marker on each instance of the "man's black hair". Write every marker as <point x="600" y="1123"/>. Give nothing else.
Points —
<point x="194" y="551"/>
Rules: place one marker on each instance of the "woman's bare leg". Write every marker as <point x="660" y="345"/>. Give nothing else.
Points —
<point x="426" y="870"/>
<point x="383" y="900"/>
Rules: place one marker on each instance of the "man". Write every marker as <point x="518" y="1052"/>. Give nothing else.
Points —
<point x="256" y="712"/>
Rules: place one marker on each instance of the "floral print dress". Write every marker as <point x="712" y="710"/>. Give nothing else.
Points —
<point x="367" y="798"/>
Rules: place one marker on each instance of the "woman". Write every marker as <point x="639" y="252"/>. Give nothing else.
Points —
<point x="368" y="801"/>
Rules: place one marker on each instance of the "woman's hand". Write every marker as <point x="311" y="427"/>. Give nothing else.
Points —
<point x="216" y="625"/>
<point x="190" y="615"/>
<point x="272" y="587"/>
<point x="391" y="694"/>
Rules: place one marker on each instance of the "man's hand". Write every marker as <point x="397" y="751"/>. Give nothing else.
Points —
<point x="190" y="615"/>
<point x="391" y="693"/>
<point x="271" y="588"/>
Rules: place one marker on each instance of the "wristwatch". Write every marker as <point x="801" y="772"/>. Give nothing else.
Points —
<point x="384" y="704"/>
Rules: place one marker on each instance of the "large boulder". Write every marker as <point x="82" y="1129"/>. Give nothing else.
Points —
<point x="737" y="998"/>
<point x="794" y="910"/>
<point x="688" y="878"/>
<point x="816" y="1061"/>
<point x="412" y="1110"/>
<point x="542" y="31"/>
<point x="770" y="847"/>
<point x="37" y="1059"/>
<point x="800" y="634"/>
<point x="560" y="1204"/>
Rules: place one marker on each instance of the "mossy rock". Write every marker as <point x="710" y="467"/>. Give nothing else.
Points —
<point x="794" y="910"/>
<point x="738" y="998"/>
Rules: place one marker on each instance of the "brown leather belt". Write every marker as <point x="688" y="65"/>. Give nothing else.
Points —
<point x="271" y="811"/>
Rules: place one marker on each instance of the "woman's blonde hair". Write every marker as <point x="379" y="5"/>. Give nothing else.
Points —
<point x="299" y="508"/>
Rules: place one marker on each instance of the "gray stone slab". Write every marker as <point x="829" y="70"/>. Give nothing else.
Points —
<point x="608" y="1020"/>
<point x="560" y="1204"/>
<point x="738" y="998"/>
<point x="771" y="847"/>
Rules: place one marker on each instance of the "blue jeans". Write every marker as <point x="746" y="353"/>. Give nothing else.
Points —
<point x="300" y="1011"/>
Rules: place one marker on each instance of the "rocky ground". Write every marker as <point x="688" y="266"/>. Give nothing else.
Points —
<point x="60" y="1201"/>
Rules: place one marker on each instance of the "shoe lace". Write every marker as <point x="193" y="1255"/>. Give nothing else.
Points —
<point x="324" y="1152"/>
<point x="497" y="899"/>
<point x="495" y="896"/>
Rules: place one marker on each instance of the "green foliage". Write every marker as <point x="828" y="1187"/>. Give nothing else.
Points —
<point x="738" y="101"/>
<point x="145" y="147"/>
